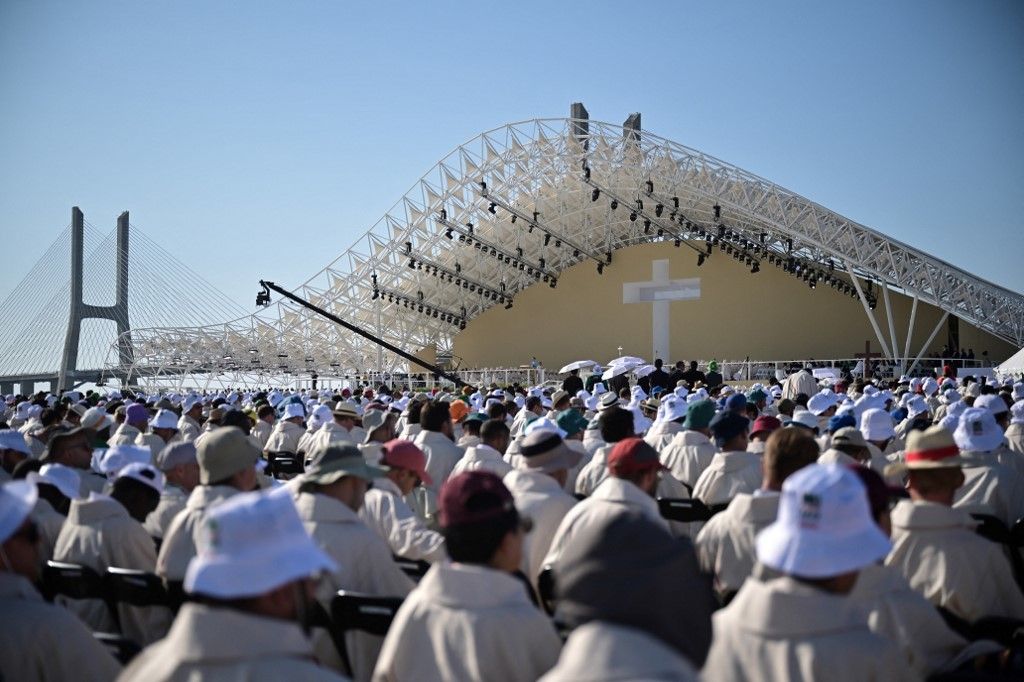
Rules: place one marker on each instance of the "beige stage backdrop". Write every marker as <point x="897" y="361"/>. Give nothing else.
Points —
<point x="769" y="315"/>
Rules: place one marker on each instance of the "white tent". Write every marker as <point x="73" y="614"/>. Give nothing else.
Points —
<point x="1014" y="365"/>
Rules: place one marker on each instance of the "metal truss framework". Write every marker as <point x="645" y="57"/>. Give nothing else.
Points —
<point x="521" y="203"/>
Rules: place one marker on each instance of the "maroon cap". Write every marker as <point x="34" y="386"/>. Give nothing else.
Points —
<point x="765" y="422"/>
<point x="473" y="497"/>
<point x="404" y="454"/>
<point x="632" y="455"/>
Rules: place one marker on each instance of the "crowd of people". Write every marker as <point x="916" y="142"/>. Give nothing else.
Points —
<point x="677" y="528"/>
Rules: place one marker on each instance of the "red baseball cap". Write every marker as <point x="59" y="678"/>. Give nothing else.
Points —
<point x="474" y="497"/>
<point x="765" y="422"/>
<point x="404" y="454"/>
<point x="632" y="455"/>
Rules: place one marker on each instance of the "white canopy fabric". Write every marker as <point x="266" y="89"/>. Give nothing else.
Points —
<point x="1014" y="365"/>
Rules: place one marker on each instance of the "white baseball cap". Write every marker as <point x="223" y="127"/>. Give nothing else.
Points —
<point x="164" y="419"/>
<point x="824" y="526"/>
<point x="64" y="478"/>
<point x="143" y="473"/>
<point x="544" y="424"/>
<point x="820" y="402"/>
<point x="119" y="456"/>
<point x="17" y="499"/>
<point x="96" y="418"/>
<point x="251" y="544"/>
<point x="876" y="425"/>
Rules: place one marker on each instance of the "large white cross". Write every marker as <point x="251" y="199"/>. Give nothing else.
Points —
<point x="660" y="291"/>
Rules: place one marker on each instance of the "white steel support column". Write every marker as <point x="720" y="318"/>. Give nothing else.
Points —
<point x="869" y="313"/>
<point x="928" y="342"/>
<point x="910" y="327"/>
<point x="892" y="325"/>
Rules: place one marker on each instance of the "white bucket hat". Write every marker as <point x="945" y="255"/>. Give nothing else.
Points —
<point x="993" y="403"/>
<point x="916" y="406"/>
<point x="820" y="402"/>
<point x="96" y="418"/>
<point x="876" y="425"/>
<point x="978" y="431"/>
<point x="251" y="544"/>
<point x="544" y="424"/>
<point x="17" y="499"/>
<point x="14" y="440"/>
<point x="804" y="418"/>
<point x="1017" y="412"/>
<point x="292" y="410"/>
<point x="824" y="527"/>
<point x="164" y="419"/>
<point x="63" y="478"/>
<point x="1018" y="392"/>
<point x="674" y="408"/>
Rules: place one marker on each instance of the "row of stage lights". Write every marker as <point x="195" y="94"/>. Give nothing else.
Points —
<point x="737" y="246"/>
<point x="467" y="235"/>
<point x="419" y="305"/>
<point x="455" y="277"/>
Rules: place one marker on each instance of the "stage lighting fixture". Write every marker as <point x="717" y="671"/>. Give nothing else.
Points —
<point x="659" y="209"/>
<point x="718" y="212"/>
<point x="632" y="216"/>
<point x="492" y="209"/>
<point x="595" y="194"/>
<point x="755" y="268"/>
<point x="614" y="204"/>
<point x="700" y="259"/>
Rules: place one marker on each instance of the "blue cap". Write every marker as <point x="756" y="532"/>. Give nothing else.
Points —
<point x="840" y="421"/>
<point x="737" y="402"/>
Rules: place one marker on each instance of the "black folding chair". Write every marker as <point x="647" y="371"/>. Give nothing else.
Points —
<point x="992" y="528"/>
<point x="73" y="581"/>
<point x="683" y="511"/>
<point x="121" y="648"/>
<point x="135" y="588"/>
<point x="363" y="612"/>
<point x="414" y="568"/>
<point x="284" y="464"/>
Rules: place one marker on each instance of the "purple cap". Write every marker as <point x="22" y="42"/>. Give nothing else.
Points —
<point x="136" y="414"/>
<point x="474" y="497"/>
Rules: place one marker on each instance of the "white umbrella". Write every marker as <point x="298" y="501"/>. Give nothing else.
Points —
<point x="579" y="364"/>
<point x="626" y="359"/>
<point x="643" y="371"/>
<point x="619" y="369"/>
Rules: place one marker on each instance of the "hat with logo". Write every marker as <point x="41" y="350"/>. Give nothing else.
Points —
<point x="824" y="527"/>
<point x="146" y="474"/>
<point x="251" y="544"/>
<point x="978" y="431"/>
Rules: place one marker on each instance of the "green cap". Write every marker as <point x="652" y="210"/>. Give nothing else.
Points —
<point x="475" y="417"/>
<point x="337" y="461"/>
<point x="571" y="421"/>
<point x="699" y="414"/>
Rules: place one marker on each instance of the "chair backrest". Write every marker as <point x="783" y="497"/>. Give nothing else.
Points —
<point x="414" y="568"/>
<point x="121" y="648"/>
<point x="683" y="510"/>
<point x="136" y="588"/>
<point x="546" y="589"/>
<point x="992" y="528"/>
<point x="73" y="580"/>
<point x="286" y="463"/>
<point x="368" y="613"/>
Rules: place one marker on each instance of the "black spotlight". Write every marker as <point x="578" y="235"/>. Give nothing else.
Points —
<point x="632" y="216"/>
<point x="659" y="209"/>
<point x="595" y="194"/>
<point x="700" y="259"/>
<point x="614" y="204"/>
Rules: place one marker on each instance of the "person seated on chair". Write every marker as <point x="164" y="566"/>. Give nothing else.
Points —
<point x="227" y="465"/>
<point x="802" y="626"/>
<point x="178" y="463"/>
<point x="935" y="546"/>
<point x="328" y="502"/>
<point x="103" y="532"/>
<point x="732" y="470"/>
<point x="615" y="565"/>
<point x="251" y="589"/>
<point x="471" y="619"/>
<point x="39" y="641"/>
<point x="690" y="451"/>
<point x="288" y="431"/>
<point x="725" y="546"/>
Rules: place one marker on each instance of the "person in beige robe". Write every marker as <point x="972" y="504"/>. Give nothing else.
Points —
<point x="807" y="628"/>
<point x="690" y="452"/>
<point x="39" y="641"/>
<point x="732" y="470"/>
<point x="104" y="532"/>
<point x="331" y="493"/>
<point x="287" y="433"/>
<point x="178" y="463"/>
<point x="725" y="546"/>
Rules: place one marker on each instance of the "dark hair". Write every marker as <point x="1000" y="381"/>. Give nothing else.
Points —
<point x="616" y="424"/>
<point x="49" y="416"/>
<point x="476" y="543"/>
<point x="238" y="419"/>
<point x="752" y="411"/>
<point x="496" y="411"/>
<point x="532" y="402"/>
<point x="414" y="410"/>
<point x="493" y="429"/>
<point x="471" y="427"/>
<point x="264" y="411"/>
<point x="787" y="451"/>
<point x="801" y="399"/>
<point x="434" y="415"/>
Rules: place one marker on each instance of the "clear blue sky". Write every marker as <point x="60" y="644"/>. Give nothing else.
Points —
<point x="260" y="139"/>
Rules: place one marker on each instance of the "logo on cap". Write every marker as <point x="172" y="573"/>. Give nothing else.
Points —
<point x="810" y="511"/>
